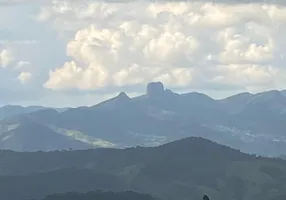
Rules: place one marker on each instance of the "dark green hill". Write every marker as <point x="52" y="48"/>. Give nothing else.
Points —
<point x="184" y="169"/>
<point x="98" y="195"/>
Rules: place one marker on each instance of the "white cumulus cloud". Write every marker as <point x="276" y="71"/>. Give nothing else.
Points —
<point x="180" y="43"/>
<point x="6" y="57"/>
<point x="24" y="77"/>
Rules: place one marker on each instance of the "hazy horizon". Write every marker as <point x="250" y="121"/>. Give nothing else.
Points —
<point x="132" y="95"/>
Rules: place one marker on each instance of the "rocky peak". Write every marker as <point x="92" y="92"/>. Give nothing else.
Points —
<point x="123" y="95"/>
<point x="155" y="89"/>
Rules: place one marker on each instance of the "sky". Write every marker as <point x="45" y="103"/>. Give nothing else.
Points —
<point x="80" y="52"/>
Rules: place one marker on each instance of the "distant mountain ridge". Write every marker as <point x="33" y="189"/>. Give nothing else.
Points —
<point x="254" y="123"/>
<point x="14" y="110"/>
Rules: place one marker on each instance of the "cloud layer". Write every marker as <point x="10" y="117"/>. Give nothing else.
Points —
<point x="97" y="48"/>
<point x="183" y="44"/>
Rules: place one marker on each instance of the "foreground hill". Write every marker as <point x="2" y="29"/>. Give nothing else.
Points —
<point x="184" y="169"/>
<point x="254" y="123"/>
<point x="98" y="195"/>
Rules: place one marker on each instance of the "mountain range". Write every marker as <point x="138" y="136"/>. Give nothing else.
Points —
<point x="14" y="110"/>
<point x="253" y="123"/>
<point x="183" y="169"/>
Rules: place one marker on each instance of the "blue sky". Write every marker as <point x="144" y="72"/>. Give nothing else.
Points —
<point x="71" y="53"/>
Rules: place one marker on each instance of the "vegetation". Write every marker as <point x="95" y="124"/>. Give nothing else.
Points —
<point x="184" y="169"/>
<point x="99" y="195"/>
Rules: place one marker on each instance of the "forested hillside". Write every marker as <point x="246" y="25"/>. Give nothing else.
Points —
<point x="184" y="169"/>
<point x="99" y="195"/>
